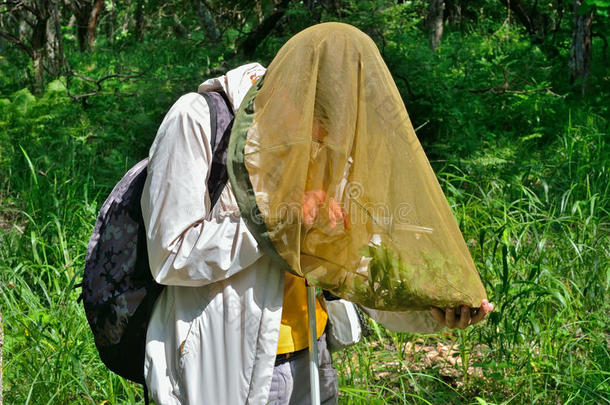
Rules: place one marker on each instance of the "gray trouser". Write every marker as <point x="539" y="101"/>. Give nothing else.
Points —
<point x="290" y="381"/>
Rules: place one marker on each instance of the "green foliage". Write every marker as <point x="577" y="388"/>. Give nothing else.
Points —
<point x="600" y="6"/>
<point x="523" y="162"/>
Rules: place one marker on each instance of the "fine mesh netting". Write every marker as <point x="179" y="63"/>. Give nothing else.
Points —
<point x="333" y="182"/>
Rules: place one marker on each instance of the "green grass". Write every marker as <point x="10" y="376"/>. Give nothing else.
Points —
<point x="526" y="175"/>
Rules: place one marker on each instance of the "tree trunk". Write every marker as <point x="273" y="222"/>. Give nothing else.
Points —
<point x="314" y="8"/>
<point x="453" y="11"/>
<point x="51" y="46"/>
<point x="39" y="45"/>
<point x="55" y="51"/>
<point x="435" y="22"/>
<point x="35" y="32"/>
<point x="139" y="20"/>
<point x="337" y="8"/>
<point x="86" y="13"/>
<point x="98" y="6"/>
<point x="206" y="20"/>
<point x="82" y="14"/>
<point x="581" y="49"/>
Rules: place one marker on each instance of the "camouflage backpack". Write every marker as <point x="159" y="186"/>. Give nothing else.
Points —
<point x="118" y="290"/>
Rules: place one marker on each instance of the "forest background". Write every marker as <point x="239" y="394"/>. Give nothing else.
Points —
<point x="510" y="99"/>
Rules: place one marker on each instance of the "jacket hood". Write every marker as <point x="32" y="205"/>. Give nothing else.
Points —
<point x="235" y="83"/>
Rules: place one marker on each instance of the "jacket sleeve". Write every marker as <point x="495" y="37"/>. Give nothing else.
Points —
<point x="187" y="245"/>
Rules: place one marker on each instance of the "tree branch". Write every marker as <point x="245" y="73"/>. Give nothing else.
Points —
<point x="98" y="84"/>
<point x="84" y="96"/>
<point x="24" y="47"/>
<point x="517" y="7"/>
<point x="505" y="88"/>
<point x="256" y="36"/>
<point x="102" y="79"/>
<point x="407" y="84"/>
<point x="17" y="5"/>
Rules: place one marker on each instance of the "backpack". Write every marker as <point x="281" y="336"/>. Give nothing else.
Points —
<point x="118" y="290"/>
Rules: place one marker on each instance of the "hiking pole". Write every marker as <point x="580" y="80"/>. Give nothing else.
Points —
<point x="314" y="375"/>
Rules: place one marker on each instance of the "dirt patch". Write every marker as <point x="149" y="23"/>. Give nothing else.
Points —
<point x="445" y="356"/>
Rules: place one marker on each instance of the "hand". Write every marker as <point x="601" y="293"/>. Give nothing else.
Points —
<point x="311" y="203"/>
<point x="468" y="316"/>
<point x="336" y="213"/>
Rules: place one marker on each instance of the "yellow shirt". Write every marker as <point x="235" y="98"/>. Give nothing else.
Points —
<point x="294" y="326"/>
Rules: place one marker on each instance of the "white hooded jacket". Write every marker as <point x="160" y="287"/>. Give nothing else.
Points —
<point x="213" y="335"/>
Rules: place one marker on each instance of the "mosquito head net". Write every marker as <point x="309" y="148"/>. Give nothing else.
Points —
<point x="334" y="184"/>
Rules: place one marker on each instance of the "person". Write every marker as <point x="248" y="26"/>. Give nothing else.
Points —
<point x="218" y="333"/>
<point x="231" y="325"/>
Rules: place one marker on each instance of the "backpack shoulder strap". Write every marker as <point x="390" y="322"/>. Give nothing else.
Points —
<point x="213" y="121"/>
<point x="221" y="122"/>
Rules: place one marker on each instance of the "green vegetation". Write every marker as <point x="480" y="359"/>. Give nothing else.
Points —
<point x="520" y="152"/>
<point x="393" y="284"/>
